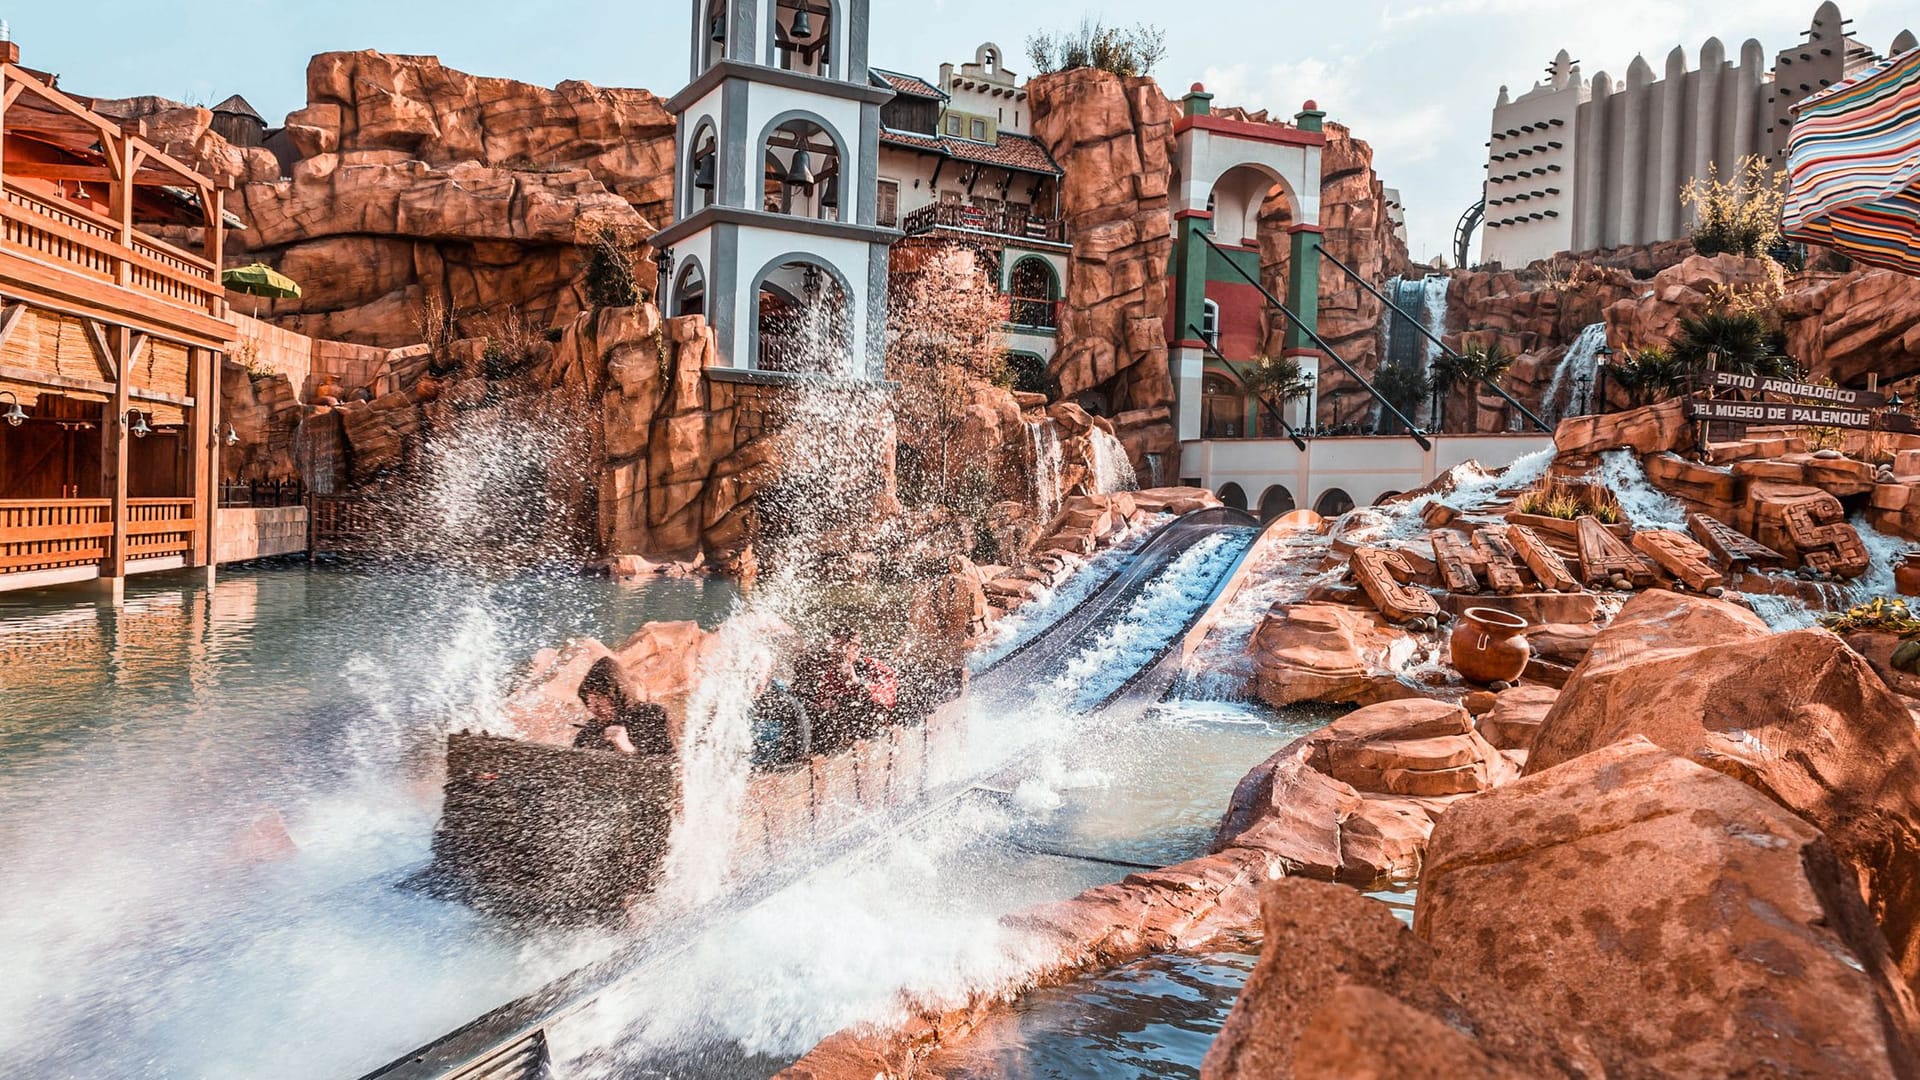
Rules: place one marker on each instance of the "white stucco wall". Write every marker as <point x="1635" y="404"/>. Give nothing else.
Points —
<point x="1365" y="467"/>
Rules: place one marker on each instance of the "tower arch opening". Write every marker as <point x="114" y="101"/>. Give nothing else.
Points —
<point x="802" y="318"/>
<point x="802" y="36"/>
<point x="802" y="168"/>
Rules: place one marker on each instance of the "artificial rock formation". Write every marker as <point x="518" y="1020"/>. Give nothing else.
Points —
<point x="1799" y="716"/>
<point x="404" y="180"/>
<point x="1329" y="653"/>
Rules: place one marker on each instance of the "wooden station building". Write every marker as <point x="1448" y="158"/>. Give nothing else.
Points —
<point x="110" y="344"/>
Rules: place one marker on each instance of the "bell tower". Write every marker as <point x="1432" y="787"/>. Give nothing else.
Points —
<point x="775" y="188"/>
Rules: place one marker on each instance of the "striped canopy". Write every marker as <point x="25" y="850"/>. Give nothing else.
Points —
<point x="1853" y="168"/>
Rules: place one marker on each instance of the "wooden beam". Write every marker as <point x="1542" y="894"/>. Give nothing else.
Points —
<point x="9" y="320"/>
<point x="35" y="377"/>
<point x="103" y="349"/>
<point x="45" y="170"/>
<point x="115" y="459"/>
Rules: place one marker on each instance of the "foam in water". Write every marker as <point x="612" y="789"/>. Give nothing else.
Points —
<point x="1646" y="506"/>
<point x="1112" y="471"/>
<point x="1049" y="606"/>
<point x="1581" y="362"/>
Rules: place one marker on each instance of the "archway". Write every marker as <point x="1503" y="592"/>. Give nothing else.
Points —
<point x="1332" y="503"/>
<point x="803" y="36"/>
<point x="1033" y="293"/>
<point x="1276" y="501"/>
<point x="1385" y="496"/>
<point x="1233" y="495"/>
<point x="1223" y="408"/>
<point x="802" y="318"/>
<point x="1028" y="372"/>
<point x="703" y="166"/>
<point x="714" y="48"/>
<point x="1236" y="200"/>
<point x="801" y="168"/>
<point x="690" y="289"/>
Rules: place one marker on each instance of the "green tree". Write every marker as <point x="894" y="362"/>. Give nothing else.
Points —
<point x="1127" y="52"/>
<point x="1734" y="341"/>
<point x="1406" y="385"/>
<point x="1648" y="375"/>
<point x="1455" y="371"/>
<point x="1276" y="381"/>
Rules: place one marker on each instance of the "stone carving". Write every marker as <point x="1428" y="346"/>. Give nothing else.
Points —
<point x="1547" y="565"/>
<point x="1382" y="575"/>
<point x="1732" y="549"/>
<point x="1819" y="530"/>
<point x="1500" y="563"/>
<point x="1604" y="558"/>
<point x="1677" y="554"/>
<point x="1455" y="563"/>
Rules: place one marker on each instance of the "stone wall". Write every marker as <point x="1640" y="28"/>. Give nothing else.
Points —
<point x="261" y="532"/>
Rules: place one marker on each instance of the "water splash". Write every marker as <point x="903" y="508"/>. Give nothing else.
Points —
<point x="1112" y="471"/>
<point x="1473" y="487"/>
<point x="1646" y="506"/>
<point x="1576" y="369"/>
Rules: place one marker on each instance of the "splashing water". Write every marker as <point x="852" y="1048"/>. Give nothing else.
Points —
<point x="1045" y="436"/>
<point x="1576" y="368"/>
<point x="1474" y="486"/>
<point x="1646" y="506"/>
<point x="1112" y="471"/>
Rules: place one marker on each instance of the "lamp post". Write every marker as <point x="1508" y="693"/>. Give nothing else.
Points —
<point x="663" y="262"/>
<point x="1584" y="384"/>
<point x="1605" y="355"/>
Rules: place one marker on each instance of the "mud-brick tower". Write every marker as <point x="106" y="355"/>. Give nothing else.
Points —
<point x="775" y="188"/>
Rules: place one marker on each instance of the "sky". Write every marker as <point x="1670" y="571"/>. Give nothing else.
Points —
<point x="1415" y="78"/>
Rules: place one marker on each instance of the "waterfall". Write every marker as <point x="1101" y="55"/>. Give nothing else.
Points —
<point x="1046" y="468"/>
<point x="1112" y="471"/>
<point x="1402" y="344"/>
<point x="1581" y="362"/>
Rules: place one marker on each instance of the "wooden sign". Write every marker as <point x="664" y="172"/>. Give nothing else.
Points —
<point x="1382" y="575"/>
<point x="1677" y="554"/>
<point x="1833" y="395"/>
<point x="1820" y="533"/>
<point x="1604" y="557"/>
<point x="1499" y="562"/>
<point x="1783" y="414"/>
<point x="1549" y="569"/>
<point x="1455" y="562"/>
<point x="1732" y="549"/>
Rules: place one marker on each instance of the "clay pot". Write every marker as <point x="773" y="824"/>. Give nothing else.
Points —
<point x="1906" y="576"/>
<point x="1487" y="645"/>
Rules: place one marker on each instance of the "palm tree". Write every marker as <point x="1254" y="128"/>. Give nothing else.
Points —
<point x="1275" y="381"/>
<point x="1649" y="375"/>
<point x="1738" y="342"/>
<point x="1404" y="385"/>
<point x="1454" y="370"/>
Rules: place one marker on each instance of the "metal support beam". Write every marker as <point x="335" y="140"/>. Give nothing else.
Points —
<point x="1268" y="405"/>
<point x="1320" y="343"/>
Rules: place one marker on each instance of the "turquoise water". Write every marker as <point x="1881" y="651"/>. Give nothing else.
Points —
<point x="1154" y="1017"/>
<point x="146" y="935"/>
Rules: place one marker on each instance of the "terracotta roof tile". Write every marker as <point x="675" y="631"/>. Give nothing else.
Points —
<point x="1022" y="152"/>
<point x="911" y="85"/>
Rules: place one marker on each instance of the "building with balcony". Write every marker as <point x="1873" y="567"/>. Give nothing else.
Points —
<point x="110" y="344"/>
<point x="958" y="163"/>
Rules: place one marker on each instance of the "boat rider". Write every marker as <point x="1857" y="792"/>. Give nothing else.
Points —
<point x="850" y="695"/>
<point x="616" y="722"/>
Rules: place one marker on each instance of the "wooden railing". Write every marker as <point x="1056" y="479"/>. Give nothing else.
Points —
<point x="51" y="534"/>
<point x="158" y="528"/>
<point x="1008" y="221"/>
<point x="80" y="240"/>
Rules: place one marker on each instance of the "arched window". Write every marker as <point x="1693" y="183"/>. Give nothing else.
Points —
<point x="802" y="319"/>
<point x="1033" y="291"/>
<point x="703" y="168"/>
<point x="1332" y="503"/>
<point x="803" y="36"/>
<point x="713" y="48"/>
<point x="1277" y="500"/>
<point x="1223" y="408"/>
<point x="1384" y="496"/>
<point x="801" y="171"/>
<point x="1210" y="322"/>
<point x="690" y="290"/>
<point x="1234" y="496"/>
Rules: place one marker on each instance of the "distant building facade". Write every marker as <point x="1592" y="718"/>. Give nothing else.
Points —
<point x="1576" y="165"/>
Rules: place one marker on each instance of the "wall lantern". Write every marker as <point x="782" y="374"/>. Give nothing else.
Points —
<point x="233" y="437"/>
<point x="138" y="420"/>
<point x="15" y="415"/>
